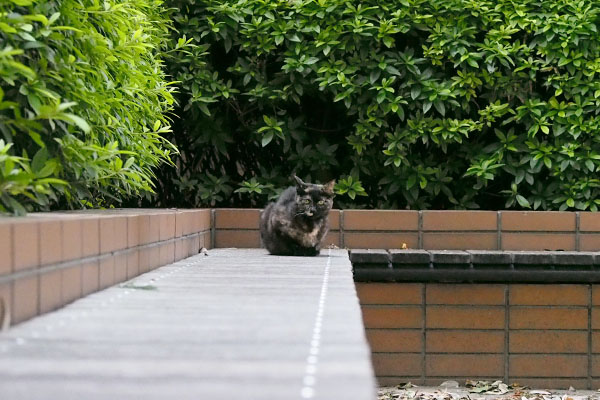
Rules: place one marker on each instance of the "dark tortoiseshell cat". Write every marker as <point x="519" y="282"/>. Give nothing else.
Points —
<point x="296" y="224"/>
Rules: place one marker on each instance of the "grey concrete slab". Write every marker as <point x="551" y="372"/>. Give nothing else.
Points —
<point x="233" y="324"/>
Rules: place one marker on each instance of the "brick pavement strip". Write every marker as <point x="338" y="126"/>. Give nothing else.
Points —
<point x="232" y="324"/>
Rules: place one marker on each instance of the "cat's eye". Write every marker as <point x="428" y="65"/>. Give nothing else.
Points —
<point x="306" y="201"/>
<point x="321" y="202"/>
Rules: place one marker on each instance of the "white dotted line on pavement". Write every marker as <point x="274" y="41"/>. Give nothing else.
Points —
<point x="309" y="380"/>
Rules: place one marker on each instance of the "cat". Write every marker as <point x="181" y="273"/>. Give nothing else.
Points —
<point x="296" y="224"/>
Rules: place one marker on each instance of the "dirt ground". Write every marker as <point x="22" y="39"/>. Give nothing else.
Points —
<point x="481" y="390"/>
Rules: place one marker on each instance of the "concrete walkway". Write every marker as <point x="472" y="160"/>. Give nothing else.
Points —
<point x="227" y="325"/>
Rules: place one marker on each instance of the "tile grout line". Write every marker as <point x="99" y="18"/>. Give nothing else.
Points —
<point x="577" y="235"/>
<point x="499" y="231"/>
<point x="420" y="229"/>
<point x="312" y="361"/>
<point x="589" y="344"/>
<point x="506" y="332"/>
<point x="342" y="230"/>
<point x="424" y="333"/>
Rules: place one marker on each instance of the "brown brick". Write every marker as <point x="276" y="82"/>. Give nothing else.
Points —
<point x="71" y="284"/>
<point x="460" y="241"/>
<point x="144" y="263"/>
<point x="334" y="220"/>
<point x="25" y="299"/>
<point x="552" y="383"/>
<point x="178" y="224"/>
<point x="589" y="222"/>
<point x="144" y="228"/>
<point x="133" y="230"/>
<point x="241" y="239"/>
<point x="480" y="294"/>
<point x="26" y="245"/>
<point x="596" y="294"/>
<point x="72" y="243"/>
<point x="449" y="220"/>
<point x="395" y="340"/>
<point x="203" y="219"/>
<point x="208" y="241"/>
<point x="6" y="249"/>
<point x="358" y="240"/>
<point x="180" y="249"/>
<point x="453" y="317"/>
<point x="167" y="226"/>
<point x="595" y="318"/>
<point x="120" y="268"/>
<point x="332" y="238"/>
<point x="167" y="254"/>
<point x="154" y="258"/>
<point x="543" y="295"/>
<point x="381" y="220"/>
<point x="107" y="272"/>
<point x="153" y="228"/>
<point x="542" y="221"/>
<point x="91" y="236"/>
<point x="133" y="264"/>
<point x="121" y="233"/>
<point x="392" y="317"/>
<point x="50" y="242"/>
<point x="397" y="364"/>
<point x="390" y="293"/>
<point x="589" y="242"/>
<point x="451" y="341"/>
<point x="548" y="318"/>
<point x="90" y="278"/>
<point x="595" y="370"/>
<point x="548" y="341"/>
<point x="547" y="365"/>
<point x="5" y="302"/>
<point x="108" y="238"/>
<point x="50" y="291"/>
<point x="467" y="365"/>
<point x="538" y="241"/>
<point x="183" y="223"/>
<point x="237" y="218"/>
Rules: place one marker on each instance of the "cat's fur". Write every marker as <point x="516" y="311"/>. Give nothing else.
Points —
<point x="296" y="224"/>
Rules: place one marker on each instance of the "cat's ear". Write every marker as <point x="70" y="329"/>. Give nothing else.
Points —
<point x="299" y="182"/>
<point x="328" y="188"/>
<point x="300" y="185"/>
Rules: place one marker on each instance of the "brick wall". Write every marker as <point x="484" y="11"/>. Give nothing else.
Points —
<point x="442" y="230"/>
<point x="537" y="335"/>
<point x="50" y="259"/>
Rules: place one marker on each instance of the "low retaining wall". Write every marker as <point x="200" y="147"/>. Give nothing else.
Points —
<point x="538" y="335"/>
<point x="442" y="230"/>
<point x="50" y="259"/>
<point x="420" y="329"/>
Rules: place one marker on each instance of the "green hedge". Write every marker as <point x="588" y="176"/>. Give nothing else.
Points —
<point x="82" y="101"/>
<point x="423" y="103"/>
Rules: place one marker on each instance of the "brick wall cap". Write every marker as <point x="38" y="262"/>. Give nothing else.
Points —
<point x="450" y="257"/>
<point x="496" y="257"/>
<point x="533" y="257"/>
<point x="410" y="256"/>
<point x="574" y="257"/>
<point x="368" y="256"/>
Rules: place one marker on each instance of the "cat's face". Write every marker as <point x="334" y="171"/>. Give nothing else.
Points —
<point x="312" y="200"/>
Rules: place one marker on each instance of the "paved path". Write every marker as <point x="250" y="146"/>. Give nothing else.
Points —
<point x="233" y="324"/>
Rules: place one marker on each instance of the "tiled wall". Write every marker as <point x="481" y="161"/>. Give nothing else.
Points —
<point x="442" y="230"/>
<point x="537" y="335"/>
<point x="50" y="259"/>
